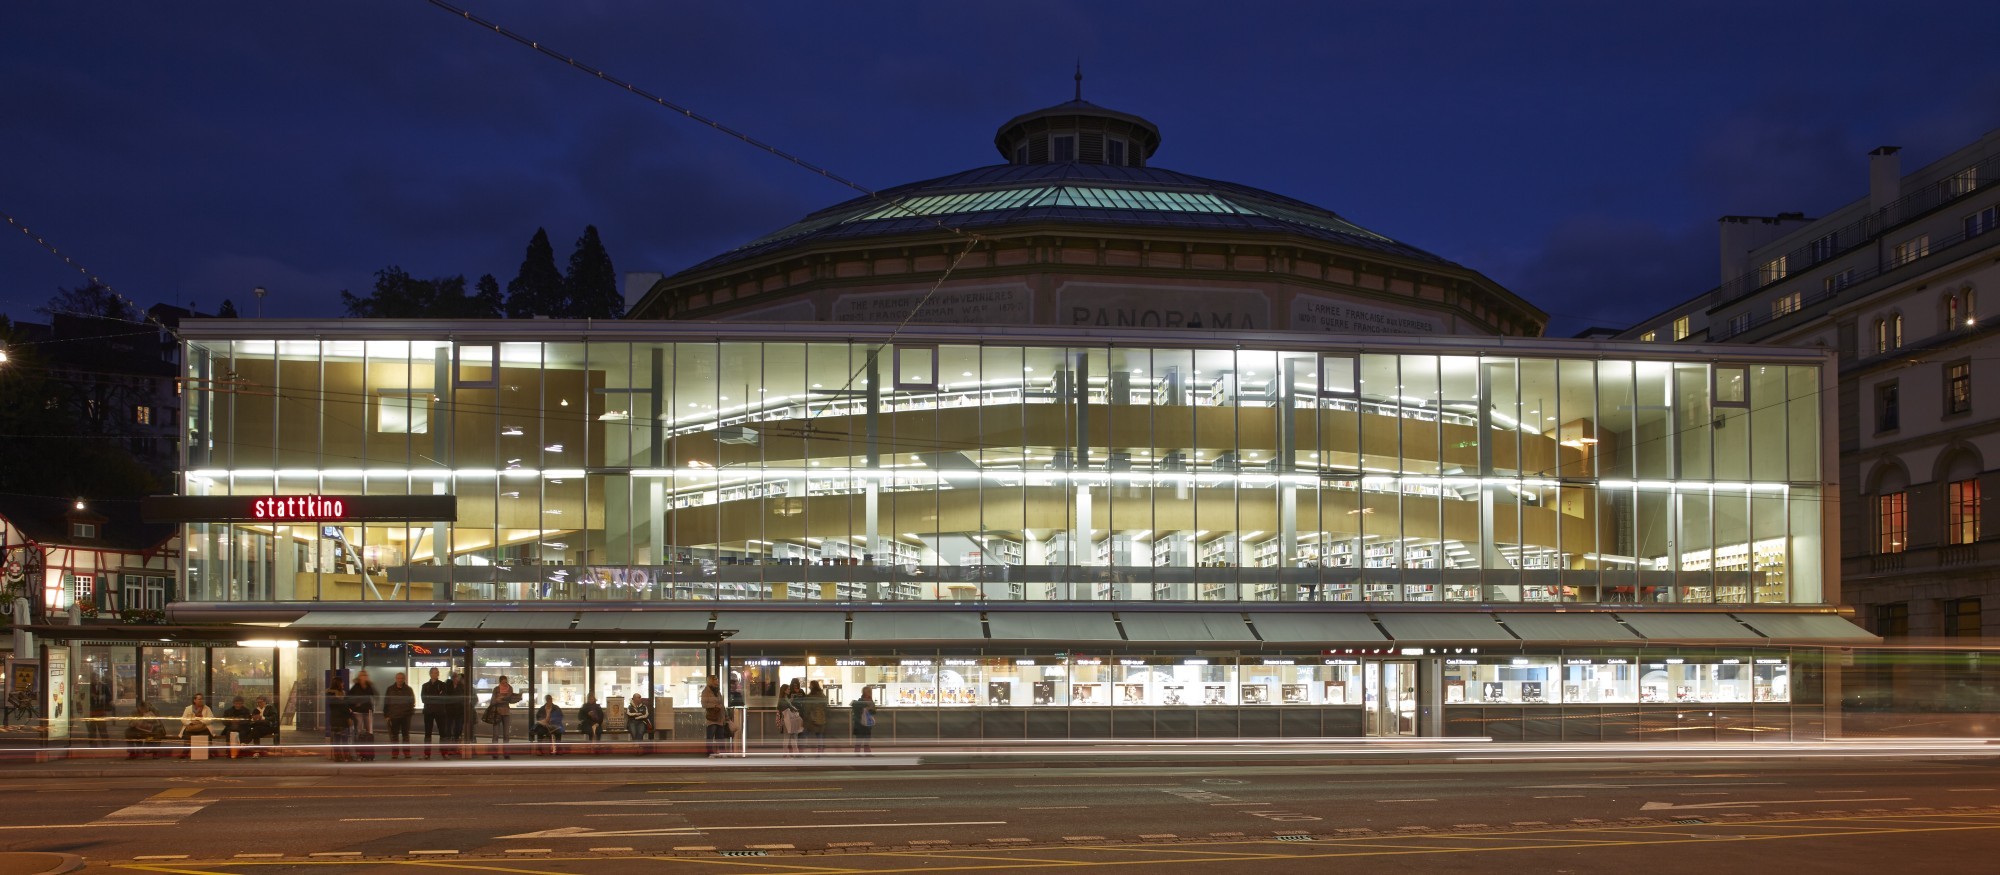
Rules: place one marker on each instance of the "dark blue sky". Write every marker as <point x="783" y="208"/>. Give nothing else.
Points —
<point x="1578" y="153"/>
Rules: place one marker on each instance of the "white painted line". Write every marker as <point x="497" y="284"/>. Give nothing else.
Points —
<point x="162" y="857"/>
<point x="850" y="844"/>
<point x="1175" y="784"/>
<point x="120" y="825"/>
<point x="1406" y="800"/>
<point x="1224" y="804"/>
<point x="1723" y="793"/>
<point x="257" y="856"/>
<point x="1083" y="838"/>
<point x="773" y="847"/>
<point x="1574" y="796"/>
<point x="578" y="833"/>
<point x="371" y="819"/>
<point x="531" y="850"/>
<point x="1669" y="806"/>
<point x="676" y="847"/>
<point x="611" y="850"/>
<point x="1006" y="841"/>
<point x="1972" y="790"/>
<point x="447" y="853"/>
<point x="674" y="802"/>
<point x="1052" y="807"/>
<point x="337" y="854"/>
<point x="1158" y="835"/>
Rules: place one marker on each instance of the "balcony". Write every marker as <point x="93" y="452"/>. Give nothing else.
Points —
<point x="1922" y="560"/>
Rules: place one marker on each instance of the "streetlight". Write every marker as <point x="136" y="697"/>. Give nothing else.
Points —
<point x="259" y="292"/>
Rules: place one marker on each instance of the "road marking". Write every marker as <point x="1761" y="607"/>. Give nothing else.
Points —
<point x="162" y="857"/>
<point x="615" y="850"/>
<point x="1571" y="796"/>
<point x="849" y="810"/>
<point x="1175" y="784"/>
<point x="755" y="790"/>
<point x="371" y="819"/>
<point x="1051" y="807"/>
<point x="415" y="853"/>
<point x="1648" y="786"/>
<point x="167" y="806"/>
<point x="1406" y="800"/>
<point x="580" y="832"/>
<point x="1669" y="806"/>
<point x="1972" y="790"/>
<point x="531" y="850"/>
<point x="257" y="856"/>
<point x="1225" y="804"/>
<point x="774" y="847"/>
<point x="1722" y="793"/>
<point x="337" y="854"/>
<point x="91" y="825"/>
<point x="672" y="802"/>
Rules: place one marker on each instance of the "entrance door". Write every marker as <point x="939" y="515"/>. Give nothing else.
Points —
<point x="1389" y="695"/>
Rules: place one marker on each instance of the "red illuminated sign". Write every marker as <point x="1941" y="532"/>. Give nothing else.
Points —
<point x="298" y="507"/>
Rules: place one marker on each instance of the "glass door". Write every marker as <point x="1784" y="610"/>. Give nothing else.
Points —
<point x="1389" y="697"/>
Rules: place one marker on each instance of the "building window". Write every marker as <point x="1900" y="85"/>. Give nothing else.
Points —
<point x="1114" y="152"/>
<point x="1958" y="387"/>
<point x="1823" y="248"/>
<point x="142" y="414"/>
<point x="1892" y="520"/>
<point x="1888" y="408"/>
<point x="1649" y="337"/>
<point x="83" y="588"/>
<point x="1961" y="618"/>
<point x="1963" y="182"/>
<point x="1892" y="620"/>
<point x="403" y="413"/>
<point x="1739" y="323"/>
<point x="1772" y="271"/>
<point x="1981" y="222"/>
<point x="1681" y="328"/>
<point x="83" y="530"/>
<point x="1837" y="281"/>
<point x="1065" y="149"/>
<point x="1785" y="305"/>
<point x="1961" y="512"/>
<point x="1910" y="250"/>
<point x="1888" y="333"/>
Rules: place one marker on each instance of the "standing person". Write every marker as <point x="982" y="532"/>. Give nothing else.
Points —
<point x="236" y="722"/>
<point x="361" y="701"/>
<point x="812" y="712"/>
<point x="548" y="729"/>
<point x="639" y="717"/>
<point x="399" y="704"/>
<point x="715" y="716"/>
<point x="436" y="709"/>
<point x="457" y="705"/>
<point x="263" y="723"/>
<point x="339" y="720"/>
<point x="195" y="720"/>
<point x="500" y="714"/>
<point x="862" y="714"/>
<point x="100" y="713"/>
<point x="790" y="724"/>
<point x="590" y="721"/>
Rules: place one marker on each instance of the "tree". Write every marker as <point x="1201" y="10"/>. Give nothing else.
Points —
<point x="488" y="299"/>
<point x="228" y="310"/>
<point x="398" y="295"/>
<point x="91" y="299"/>
<point x="592" y="284"/>
<point x="537" y="289"/>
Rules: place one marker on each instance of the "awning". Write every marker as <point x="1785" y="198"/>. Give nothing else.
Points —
<point x="1305" y="628"/>
<point x="375" y="619"/>
<point x="1808" y="627"/>
<point x="1416" y="628"/>
<point x="1567" y="627"/>
<point x="1051" y="626"/>
<point x="917" y="626"/>
<point x="1688" y="627"/>
<point x="1189" y="627"/>
<point x="775" y="626"/>
<point x="645" y="621"/>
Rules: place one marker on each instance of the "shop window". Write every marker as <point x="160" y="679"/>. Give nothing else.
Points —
<point x="1891" y="620"/>
<point x="1891" y="522"/>
<point x="1888" y="407"/>
<point x="1594" y="680"/>
<point x="1520" y="680"/>
<point x="1771" y="680"/>
<point x="1687" y="680"/>
<point x="1962" y="511"/>
<point x="1958" y="387"/>
<point x="1961" y="618"/>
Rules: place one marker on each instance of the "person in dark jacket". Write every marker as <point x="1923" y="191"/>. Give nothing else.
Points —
<point x="639" y="717"/>
<point x="812" y="712"/>
<point x="361" y="702"/>
<point x="263" y="723"/>
<point x="457" y="704"/>
<point x="399" y="704"/>
<point x="435" y="694"/>
<point x="548" y="727"/>
<point x="862" y="716"/>
<point x="236" y="721"/>
<point x="339" y="722"/>
<point x="590" y="720"/>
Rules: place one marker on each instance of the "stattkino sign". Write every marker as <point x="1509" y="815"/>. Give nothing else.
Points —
<point x="299" y="508"/>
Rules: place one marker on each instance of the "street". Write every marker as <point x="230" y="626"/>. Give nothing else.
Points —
<point x="884" y="815"/>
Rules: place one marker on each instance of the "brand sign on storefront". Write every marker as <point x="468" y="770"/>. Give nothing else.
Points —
<point x="299" y="508"/>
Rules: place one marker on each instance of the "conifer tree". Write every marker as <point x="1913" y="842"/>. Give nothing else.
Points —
<point x="592" y="283"/>
<point x="537" y="289"/>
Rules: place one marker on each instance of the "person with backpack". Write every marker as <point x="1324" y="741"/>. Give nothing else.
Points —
<point x="862" y="713"/>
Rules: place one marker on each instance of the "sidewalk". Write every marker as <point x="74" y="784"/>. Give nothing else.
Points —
<point x="35" y="863"/>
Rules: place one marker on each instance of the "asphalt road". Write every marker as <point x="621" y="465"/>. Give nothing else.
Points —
<point x="1834" y="815"/>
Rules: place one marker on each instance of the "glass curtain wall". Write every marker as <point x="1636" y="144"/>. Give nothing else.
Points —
<point x="768" y="470"/>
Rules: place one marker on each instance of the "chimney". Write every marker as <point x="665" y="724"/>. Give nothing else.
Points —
<point x="1885" y="177"/>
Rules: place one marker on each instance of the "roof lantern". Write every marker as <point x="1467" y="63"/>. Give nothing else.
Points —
<point x="1077" y="132"/>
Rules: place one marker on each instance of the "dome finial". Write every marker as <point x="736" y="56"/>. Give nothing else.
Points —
<point x="1079" y="80"/>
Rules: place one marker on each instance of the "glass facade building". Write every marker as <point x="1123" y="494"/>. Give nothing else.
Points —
<point x="819" y="463"/>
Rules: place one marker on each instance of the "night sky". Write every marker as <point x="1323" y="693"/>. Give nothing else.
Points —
<point x="1578" y="153"/>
